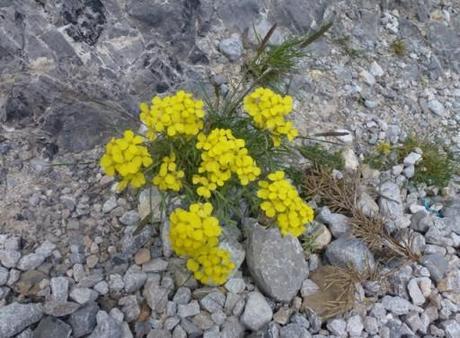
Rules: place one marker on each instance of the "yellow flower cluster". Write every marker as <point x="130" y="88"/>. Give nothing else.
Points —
<point x="211" y="266"/>
<point x="194" y="230"/>
<point x="195" y="234"/>
<point x="281" y="200"/>
<point x="126" y="156"/>
<point x="173" y="115"/>
<point x="222" y="155"/>
<point x="268" y="111"/>
<point x="384" y="148"/>
<point x="169" y="177"/>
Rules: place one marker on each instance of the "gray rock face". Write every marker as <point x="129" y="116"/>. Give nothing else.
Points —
<point x="83" y="321"/>
<point x="276" y="263"/>
<point x="16" y="317"/>
<point x="452" y="216"/>
<point x="107" y="327"/>
<point x="390" y="201"/>
<point x="51" y="327"/>
<point x="9" y="258"/>
<point x="4" y="273"/>
<point x="257" y="312"/>
<point x="294" y="331"/>
<point x="30" y="261"/>
<point x="337" y="327"/>
<point x="397" y="305"/>
<point x="436" y="264"/>
<point x="339" y="224"/>
<point x="130" y="218"/>
<point x="59" y="288"/>
<point x="232" y="328"/>
<point x="232" y="47"/>
<point x="83" y="295"/>
<point x="60" y="309"/>
<point x="345" y="251"/>
<point x="156" y="296"/>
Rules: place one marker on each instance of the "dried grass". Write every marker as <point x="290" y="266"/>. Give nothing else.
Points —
<point x="337" y="290"/>
<point x="341" y="195"/>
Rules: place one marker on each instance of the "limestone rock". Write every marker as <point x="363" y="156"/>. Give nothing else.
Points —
<point x="16" y="317"/>
<point x="345" y="251"/>
<point x="276" y="263"/>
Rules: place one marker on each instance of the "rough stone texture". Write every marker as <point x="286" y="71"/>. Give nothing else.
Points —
<point x="345" y="251"/>
<point x="452" y="216"/>
<point x="339" y="224"/>
<point x="397" y="305"/>
<point x="59" y="288"/>
<point x="276" y="263"/>
<point x="257" y="312"/>
<point x="60" y="309"/>
<point x="107" y="327"/>
<point x="436" y="264"/>
<point x="390" y="201"/>
<point x="50" y="327"/>
<point x="83" y="321"/>
<point x="16" y="317"/>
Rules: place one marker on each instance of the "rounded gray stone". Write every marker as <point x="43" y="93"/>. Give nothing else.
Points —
<point x="277" y="264"/>
<point x="350" y="251"/>
<point x="257" y="312"/>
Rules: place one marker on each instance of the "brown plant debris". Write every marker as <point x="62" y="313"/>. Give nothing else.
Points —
<point x="341" y="195"/>
<point x="337" y="290"/>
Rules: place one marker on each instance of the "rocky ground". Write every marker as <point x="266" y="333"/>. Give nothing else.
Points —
<point x="72" y="73"/>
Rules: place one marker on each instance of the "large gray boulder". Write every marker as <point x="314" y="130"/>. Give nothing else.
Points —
<point x="16" y="317"/>
<point x="276" y="263"/>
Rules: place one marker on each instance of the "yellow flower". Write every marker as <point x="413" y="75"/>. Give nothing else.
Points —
<point x="268" y="111"/>
<point x="173" y="115"/>
<point x="126" y="157"/>
<point x="211" y="266"/>
<point x="222" y="155"/>
<point x="194" y="230"/>
<point x="169" y="178"/>
<point x="281" y="200"/>
<point x="384" y="148"/>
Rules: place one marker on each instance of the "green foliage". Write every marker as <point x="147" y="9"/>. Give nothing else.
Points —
<point x="272" y="63"/>
<point x="437" y="165"/>
<point x="398" y="47"/>
<point x="308" y="242"/>
<point x="320" y="157"/>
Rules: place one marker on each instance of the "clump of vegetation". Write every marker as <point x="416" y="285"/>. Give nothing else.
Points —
<point x="382" y="158"/>
<point x="398" y="47"/>
<point x="215" y="154"/>
<point x="437" y="165"/>
<point x="320" y="157"/>
<point x="272" y="63"/>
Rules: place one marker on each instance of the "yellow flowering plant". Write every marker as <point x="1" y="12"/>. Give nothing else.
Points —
<point x="226" y="157"/>
<point x="214" y="159"/>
